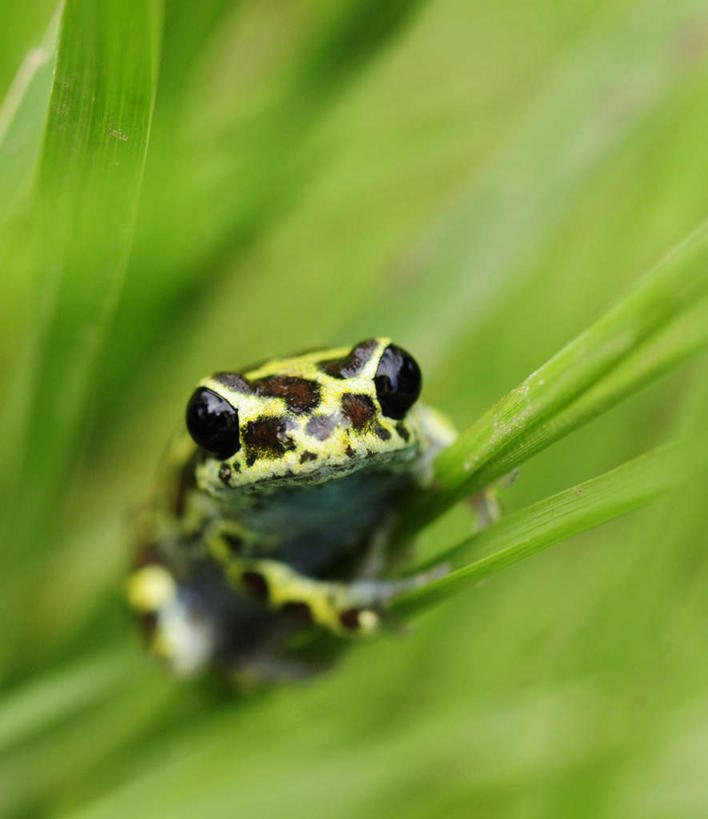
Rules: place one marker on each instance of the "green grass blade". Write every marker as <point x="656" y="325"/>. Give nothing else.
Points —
<point x="56" y="696"/>
<point x="88" y="185"/>
<point x="582" y="507"/>
<point x="562" y="384"/>
<point x="21" y="29"/>
<point x="684" y="337"/>
<point x="23" y="112"/>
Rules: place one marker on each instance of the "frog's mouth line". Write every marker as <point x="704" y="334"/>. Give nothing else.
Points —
<point x="222" y="481"/>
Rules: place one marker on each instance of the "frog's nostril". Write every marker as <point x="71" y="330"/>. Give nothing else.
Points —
<point x="213" y="423"/>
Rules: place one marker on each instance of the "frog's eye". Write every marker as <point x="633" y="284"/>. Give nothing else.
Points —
<point x="398" y="381"/>
<point x="213" y="423"/>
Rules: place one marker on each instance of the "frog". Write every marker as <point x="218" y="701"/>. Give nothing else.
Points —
<point x="269" y="544"/>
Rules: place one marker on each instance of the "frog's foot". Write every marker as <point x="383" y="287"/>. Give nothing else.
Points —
<point x="485" y="503"/>
<point x="347" y="609"/>
<point x="179" y="628"/>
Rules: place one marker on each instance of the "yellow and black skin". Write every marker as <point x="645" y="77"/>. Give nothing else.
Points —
<point x="271" y="521"/>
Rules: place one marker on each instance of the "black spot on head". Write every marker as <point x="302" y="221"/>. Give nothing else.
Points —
<point x="402" y="431"/>
<point x="256" y="584"/>
<point x="307" y="456"/>
<point x="321" y="426"/>
<point x="349" y="451"/>
<point x="266" y="437"/>
<point x="301" y="611"/>
<point x="359" y="409"/>
<point x="301" y="394"/>
<point x="353" y="363"/>
<point x="224" y="473"/>
<point x="383" y="434"/>
<point x="350" y="619"/>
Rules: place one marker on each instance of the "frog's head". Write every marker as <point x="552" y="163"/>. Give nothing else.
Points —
<point x="307" y="419"/>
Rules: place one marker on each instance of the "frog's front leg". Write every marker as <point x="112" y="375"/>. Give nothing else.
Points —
<point x="194" y="620"/>
<point x="347" y="609"/>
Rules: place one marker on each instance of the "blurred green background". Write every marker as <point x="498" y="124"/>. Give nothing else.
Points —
<point x="478" y="181"/>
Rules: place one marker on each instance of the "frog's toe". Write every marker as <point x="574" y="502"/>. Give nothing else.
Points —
<point x="177" y="625"/>
<point x="486" y="506"/>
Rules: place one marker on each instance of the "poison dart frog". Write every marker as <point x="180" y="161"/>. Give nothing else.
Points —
<point x="270" y="536"/>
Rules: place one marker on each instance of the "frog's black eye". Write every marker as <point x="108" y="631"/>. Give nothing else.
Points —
<point x="213" y="423"/>
<point x="398" y="381"/>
